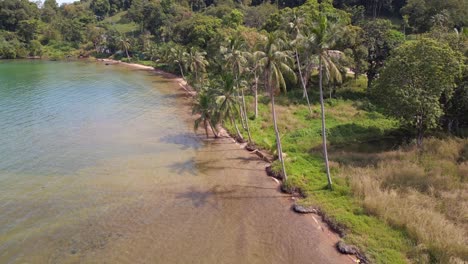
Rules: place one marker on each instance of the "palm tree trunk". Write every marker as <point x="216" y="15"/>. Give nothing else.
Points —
<point x="242" y="107"/>
<point x="324" y="134"/>
<point x="241" y="110"/>
<point x="278" y="139"/>
<point x="239" y="135"/>
<point x="302" y="81"/>
<point x="126" y="51"/>
<point x="181" y="71"/>
<point x="245" y="116"/>
<point x="206" y="128"/>
<point x="213" y="129"/>
<point x="256" y="96"/>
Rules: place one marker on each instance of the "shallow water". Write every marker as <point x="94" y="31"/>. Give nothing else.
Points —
<point x="99" y="164"/>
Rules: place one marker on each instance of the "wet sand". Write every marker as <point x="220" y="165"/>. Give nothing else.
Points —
<point x="260" y="212"/>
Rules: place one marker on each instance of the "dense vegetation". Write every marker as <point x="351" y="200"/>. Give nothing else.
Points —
<point x="370" y="78"/>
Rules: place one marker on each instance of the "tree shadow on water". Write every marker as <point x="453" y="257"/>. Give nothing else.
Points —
<point x="201" y="198"/>
<point x="185" y="140"/>
<point x="190" y="166"/>
<point x="217" y="193"/>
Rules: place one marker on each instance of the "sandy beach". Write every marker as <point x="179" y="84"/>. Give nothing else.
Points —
<point x="327" y="239"/>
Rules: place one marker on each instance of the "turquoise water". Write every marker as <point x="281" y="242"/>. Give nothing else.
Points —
<point x="57" y="116"/>
<point x="100" y="164"/>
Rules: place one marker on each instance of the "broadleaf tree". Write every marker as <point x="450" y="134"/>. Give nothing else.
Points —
<point x="413" y="81"/>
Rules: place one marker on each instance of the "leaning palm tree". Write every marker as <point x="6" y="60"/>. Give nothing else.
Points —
<point x="254" y="70"/>
<point x="275" y="61"/>
<point x="197" y="63"/>
<point x="177" y="55"/>
<point x="236" y="60"/>
<point x="296" y="44"/>
<point x="205" y="106"/>
<point x="323" y="36"/>
<point x="226" y="100"/>
<point x="124" y="43"/>
<point x="294" y="23"/>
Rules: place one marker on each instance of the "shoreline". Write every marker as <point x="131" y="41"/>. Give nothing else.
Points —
<point x="180" y="81"/>
<point x="322" y="221"/>
<point x="222" y="132"/>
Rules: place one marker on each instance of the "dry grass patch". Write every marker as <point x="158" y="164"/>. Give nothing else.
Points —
<point x="343" y="112"/>
<point x="422" y="192"/>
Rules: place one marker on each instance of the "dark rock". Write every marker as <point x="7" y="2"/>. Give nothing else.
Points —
<point x="304" y="209"/>
<point x="273" y="174"/>
<point x="263" y="156"/>
<point x="294" y="191"/>
<point x="239" y="139"/>
<point x="334" y="226"/>
<point x="344" y="248"/>
<point x="250" y="147"/>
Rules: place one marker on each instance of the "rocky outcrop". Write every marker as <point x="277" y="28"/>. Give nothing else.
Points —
<point x="304" y="209"/>
<point x="344" y="248"/>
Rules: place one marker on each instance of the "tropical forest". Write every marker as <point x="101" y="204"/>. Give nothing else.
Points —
<point x="359" y="107"/>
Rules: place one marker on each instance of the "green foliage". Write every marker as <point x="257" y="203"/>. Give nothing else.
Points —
<point x="197" y="30"/>
<point x="27" y="30"/>
<point x="35" y="48"/>
<point x="234" y="19"/>
<point x="12" y="12"/>
<point x="413" y="81"/>
<point x="424" y="14"/>
<point x="256" y="16"/>
<point x="380" y="39"/>
<point x="100" y="7"/>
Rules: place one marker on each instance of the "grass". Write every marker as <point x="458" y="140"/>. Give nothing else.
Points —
<point x="425" y="193"/>
<point x="120" y="23"/>
<point x="397" y="204"/>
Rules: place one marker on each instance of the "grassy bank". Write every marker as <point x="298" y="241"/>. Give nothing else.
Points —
<point x="396" y="203"/>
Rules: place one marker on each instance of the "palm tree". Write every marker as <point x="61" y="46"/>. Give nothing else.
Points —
<point x="296" y="22"/>
<point x="275" y="61"/>
<point x="177" y="55"/>
<point x="226" y="100"/>
<point x="255" y="71"/>
<point x="205" y="106"/>
<point x="236" y="59"/>
<point x="323" y="36"/>
<point x="197" y="63"/>
<point x="124" y="43"/>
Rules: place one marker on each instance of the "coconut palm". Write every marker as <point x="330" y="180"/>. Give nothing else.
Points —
<point x="197" y="63"/>
<point x="205" y="106"/>
<point x="124" y="43"/>
<point x="295" y="24"/>
<point x="275" y="61"/>
<point x="226" y="100"/>
<point x="322" y="37"/>
<point x="254" y="69"/>
<point x="236" y="59"/>
<point x="177" y="54"/>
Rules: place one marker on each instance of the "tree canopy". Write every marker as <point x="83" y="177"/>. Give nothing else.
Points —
<point x="413" y="81"/>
